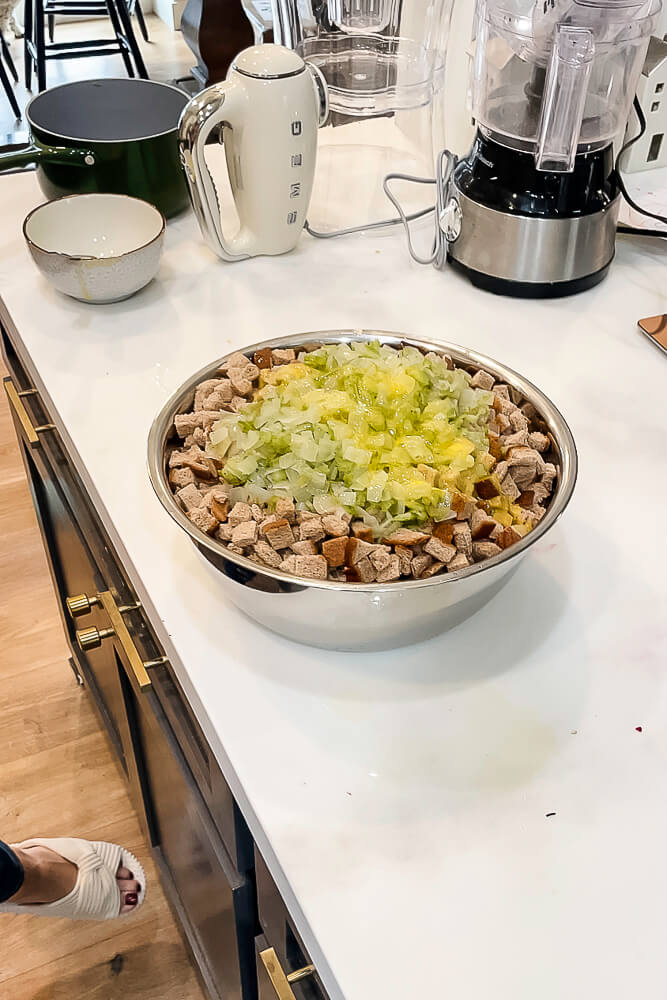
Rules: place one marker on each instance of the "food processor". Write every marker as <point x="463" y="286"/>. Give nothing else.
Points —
<point x="532" y="209"/>
<point x="383" y="62"/>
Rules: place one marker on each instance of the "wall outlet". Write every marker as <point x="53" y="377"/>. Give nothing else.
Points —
<point x="651" y="150"/>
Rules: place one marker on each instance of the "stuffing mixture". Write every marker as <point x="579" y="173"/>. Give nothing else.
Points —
<point x="360" y="463"/>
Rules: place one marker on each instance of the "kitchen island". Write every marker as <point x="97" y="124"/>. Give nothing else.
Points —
<point x="481" y="815"/>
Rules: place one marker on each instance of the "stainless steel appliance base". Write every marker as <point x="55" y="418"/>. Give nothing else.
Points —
<point x="530" y="289"/>
<point x="532" y="255"/>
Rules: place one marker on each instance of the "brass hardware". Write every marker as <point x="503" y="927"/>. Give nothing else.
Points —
<point x="299" y="974"/>
<point x="280" y="981"/>
<point x="155" y="663"/>
<point x="81" y="604"/>
<point x="125" y="639"/>
<point x="91" y="638"/>
<point x="31" y="432"/>
<point x="124" y="608"/>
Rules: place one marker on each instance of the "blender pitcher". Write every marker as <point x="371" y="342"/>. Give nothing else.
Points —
<point x="534" y="205"/>
<point x="383" y="62"/>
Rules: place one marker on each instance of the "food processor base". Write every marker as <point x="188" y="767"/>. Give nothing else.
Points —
<point x="530" y="289"/>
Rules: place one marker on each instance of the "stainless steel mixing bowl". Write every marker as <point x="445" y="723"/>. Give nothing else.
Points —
<point x="372" y="616"/>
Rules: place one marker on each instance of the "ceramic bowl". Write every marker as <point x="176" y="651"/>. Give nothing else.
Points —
<point x="96" y="247"/>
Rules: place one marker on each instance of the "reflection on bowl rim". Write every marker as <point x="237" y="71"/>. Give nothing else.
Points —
<point x="162" y="428"/>
<point x="92" y="194"/>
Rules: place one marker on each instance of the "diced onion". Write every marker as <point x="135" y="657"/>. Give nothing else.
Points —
<point x="384" y="434"/>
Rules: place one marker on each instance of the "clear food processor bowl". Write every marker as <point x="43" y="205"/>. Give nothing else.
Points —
<point x="383" y="62"/>
<point x="557" y="77"/>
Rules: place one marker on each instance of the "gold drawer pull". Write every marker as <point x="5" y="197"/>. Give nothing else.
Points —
<point x="279" y="980"/>
<point x="81" y="604"/>
<point x="91" y="638"/>
<point x="31" y="432"/>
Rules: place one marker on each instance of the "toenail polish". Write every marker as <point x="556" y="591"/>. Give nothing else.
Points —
<point x="131" y="899"/>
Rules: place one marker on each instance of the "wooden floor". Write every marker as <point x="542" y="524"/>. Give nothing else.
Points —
<point x="58" y="777"/>
<point x="166" y="55"/>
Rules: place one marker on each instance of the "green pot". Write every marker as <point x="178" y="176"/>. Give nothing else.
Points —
<point x="110" y="136"/>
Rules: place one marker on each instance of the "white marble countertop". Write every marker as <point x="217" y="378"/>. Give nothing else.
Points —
<point x="401" y="799"/>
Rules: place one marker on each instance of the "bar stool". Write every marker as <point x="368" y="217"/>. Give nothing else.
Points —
<point x="6" y="57"/>
<point x="36" y="50"/>
<point x="99" y="9"/>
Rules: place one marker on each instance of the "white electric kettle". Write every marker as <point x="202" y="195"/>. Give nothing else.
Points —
<point x="268" y="111"/>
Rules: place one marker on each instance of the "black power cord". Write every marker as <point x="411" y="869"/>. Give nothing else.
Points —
<point x="631" y="230"/>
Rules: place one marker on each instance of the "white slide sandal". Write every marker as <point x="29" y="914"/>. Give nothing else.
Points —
<point x="96" y="895"/>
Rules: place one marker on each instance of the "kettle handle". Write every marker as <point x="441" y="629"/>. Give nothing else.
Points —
<point x="211" y="108"/>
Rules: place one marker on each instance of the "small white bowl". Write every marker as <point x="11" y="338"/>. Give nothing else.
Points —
<point x="96" y="247"/>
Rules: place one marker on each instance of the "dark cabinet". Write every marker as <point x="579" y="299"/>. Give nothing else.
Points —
<point x="284" y="968"/>
<point x="215" y="902"/>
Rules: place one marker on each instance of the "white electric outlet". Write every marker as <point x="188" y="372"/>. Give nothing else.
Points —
<point x="651" y="150"/>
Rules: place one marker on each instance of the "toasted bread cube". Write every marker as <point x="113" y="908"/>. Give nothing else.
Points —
<point x="391" y="571"/>
<point x="311" y="530"/>
<point x="245" y="534"/>
<point x="306" y="548"/>
<point x="484" y="550"/>
<point x="203" y="519"/>
<point x="263" y="358"/>
<point x="285" y="508"/>
<point x="288" y="565"/>
<point x="189" y="497"/>
<point x="419" y="564"/>
<point x="240" y="512"/>
<point x="283" y="355"/>
<point x="538" y="441"/>
<point x="407" y="537"/>
<point x="458" y="562"/>
<point x="356" y="550"/>
<point x="365" y="570"/>
<point x="431" y="570"/>
<point x="267" y="554"/>
<point x="335" y="525"/>
<point x="313" y="567"/>
<point x="361" y="530"/>
<point x="334" y="550"/>
<point x="405" y="559"/>
<point x="463" y="539"/>
<point x="279" y="534"/>
<point x="482" y="380"/>
<point x="179" y="478"/>
<point x="482" y="524"/>
<point x="507" y="537"/>
<point x="440" y="551"/>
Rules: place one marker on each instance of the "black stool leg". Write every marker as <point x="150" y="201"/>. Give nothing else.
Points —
<point x="52" y="26"/>
<point x="141" y="20"/>
<point x="128" y="33"/>
<point x="27" y="40"/>
<point x="118" y="31"/>
<point x="8" y="57"/>
<point x="9" y="90"/>
<point x="40" y="46"/>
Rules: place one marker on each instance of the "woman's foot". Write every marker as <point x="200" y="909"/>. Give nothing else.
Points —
<point x="49" y="877"/>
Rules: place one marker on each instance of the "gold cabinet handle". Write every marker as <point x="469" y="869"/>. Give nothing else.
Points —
<point x="279" y="979"/>
<point x="91" y="638"/>
<point x="81" y="604"/>
<point x="14" y="397"/>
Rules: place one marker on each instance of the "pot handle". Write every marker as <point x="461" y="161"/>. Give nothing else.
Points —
<point x="25" y="156"/>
